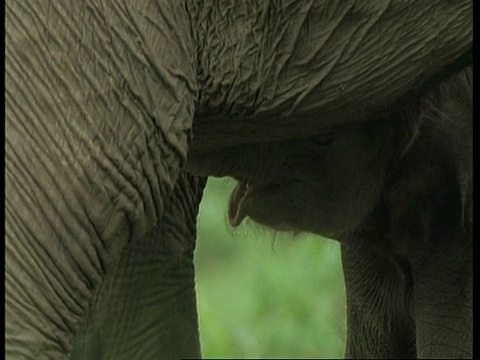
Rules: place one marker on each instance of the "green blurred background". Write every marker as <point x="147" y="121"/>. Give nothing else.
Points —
<point x="265" y="294"/>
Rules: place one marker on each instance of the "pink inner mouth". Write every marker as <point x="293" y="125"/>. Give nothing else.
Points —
<point x="235" y="215"/>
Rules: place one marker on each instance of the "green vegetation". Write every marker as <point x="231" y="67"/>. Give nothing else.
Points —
<point x="265" y="294"/>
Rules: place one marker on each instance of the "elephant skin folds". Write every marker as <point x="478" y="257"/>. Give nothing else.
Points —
<point x="125" y="320"/>
<point x="100" y="102"/>
<point x="98" y="119"/>
<point x="272" y="72"/>
<point x="397" y="193"/>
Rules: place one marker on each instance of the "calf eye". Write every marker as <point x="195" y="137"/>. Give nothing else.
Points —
<point x="327" y="138"/>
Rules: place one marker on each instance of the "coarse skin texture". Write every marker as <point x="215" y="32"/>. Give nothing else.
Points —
<point x="98" y="119"/>
<point x="397" y="193"/>
<point x="100" y="99"/>
<point x="275" y="70"/>
<point x="125" y="321"/>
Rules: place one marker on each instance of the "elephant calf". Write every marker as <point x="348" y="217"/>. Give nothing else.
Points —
<point x="397" y="194"/>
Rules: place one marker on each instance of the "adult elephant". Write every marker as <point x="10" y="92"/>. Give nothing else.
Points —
<point x="100" y="103"/>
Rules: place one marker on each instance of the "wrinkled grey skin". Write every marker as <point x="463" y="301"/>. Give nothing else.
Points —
<point x="397" y="194"/>
<point x="102" y="101"/>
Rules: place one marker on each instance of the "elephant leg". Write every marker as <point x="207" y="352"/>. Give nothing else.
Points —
<point x="146" y="308"/>
<point x="438" y="240"/>
<point x="379" y="324"/>
<point x="99" y="105"/>
<point x="443" y="296"/>
<point x="430" y="205"/>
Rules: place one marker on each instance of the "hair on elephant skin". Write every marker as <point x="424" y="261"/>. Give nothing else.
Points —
<point x="397" y="194"/>
<point x="105" y="99"/>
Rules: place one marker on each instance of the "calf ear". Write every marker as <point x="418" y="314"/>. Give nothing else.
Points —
<point x="454" y="105"/>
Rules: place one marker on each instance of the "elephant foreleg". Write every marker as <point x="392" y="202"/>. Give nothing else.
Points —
<point x="378" y="321"/>
<point x="146" y="308"/>
<point x="443" y="298"/>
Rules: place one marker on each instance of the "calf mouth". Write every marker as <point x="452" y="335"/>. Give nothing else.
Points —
<point x="236" y="211"/>
<point x="247" y="188"/>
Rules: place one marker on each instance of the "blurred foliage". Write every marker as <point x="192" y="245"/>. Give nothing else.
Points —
<point x="262" y="293"/>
